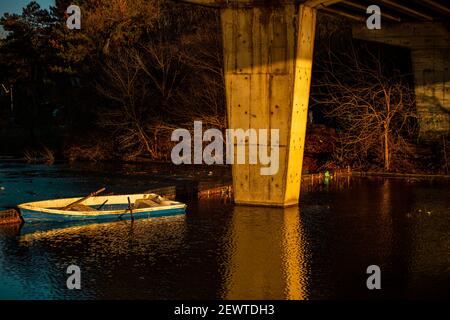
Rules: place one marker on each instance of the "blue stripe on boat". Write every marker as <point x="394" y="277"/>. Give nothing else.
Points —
<point x="30" y="215"/>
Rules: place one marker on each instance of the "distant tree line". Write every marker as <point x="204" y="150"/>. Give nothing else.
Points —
<point x="113" y="89"/>
<point x="138" y="69"/>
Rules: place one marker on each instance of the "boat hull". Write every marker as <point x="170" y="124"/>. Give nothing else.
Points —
<point x="117" y="209"/>
<point x="30" y="215"/>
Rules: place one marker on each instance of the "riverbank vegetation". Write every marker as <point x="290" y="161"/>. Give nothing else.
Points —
<point x="136" y="70"/>
<point x="116" y="88"/>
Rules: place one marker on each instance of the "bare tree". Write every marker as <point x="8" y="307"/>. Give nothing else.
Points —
<point x="167" y="81"/>
<point x="125" y="86"/>
<point x="374" y="109"/>
<point x="204" y="99"/>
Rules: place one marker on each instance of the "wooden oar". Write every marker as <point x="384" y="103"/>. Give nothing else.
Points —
<point x="131" y="209"/>
<point x="100" y="208"/>
<point x="93" y="194"/>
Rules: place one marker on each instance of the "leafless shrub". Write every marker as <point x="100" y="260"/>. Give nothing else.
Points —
<point x="93" y="153"/>
<point x="44" y="155"/>
<point x="164" y="83"/>
<point x="374" y="110"/>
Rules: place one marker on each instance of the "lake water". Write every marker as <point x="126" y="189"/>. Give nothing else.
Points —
<point x="318" y="250"/>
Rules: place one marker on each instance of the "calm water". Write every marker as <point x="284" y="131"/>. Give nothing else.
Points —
<point x="318" y="250"/>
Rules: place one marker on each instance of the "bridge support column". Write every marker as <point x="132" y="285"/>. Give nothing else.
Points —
<point x="267" y="61"/>
<point x="432" y="87"/>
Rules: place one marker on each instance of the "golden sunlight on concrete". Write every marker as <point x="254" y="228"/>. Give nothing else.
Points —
<point x="268" y="61"/>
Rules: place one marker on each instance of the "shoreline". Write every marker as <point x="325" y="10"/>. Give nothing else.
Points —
<point x="309" y="175"/>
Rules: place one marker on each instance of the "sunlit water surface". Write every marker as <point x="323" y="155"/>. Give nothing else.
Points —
<point x="319" y="250"/>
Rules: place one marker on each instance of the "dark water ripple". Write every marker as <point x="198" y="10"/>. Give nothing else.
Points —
<point x="318" y="250"/>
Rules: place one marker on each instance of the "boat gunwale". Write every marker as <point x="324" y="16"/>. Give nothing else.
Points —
<point x="34" y="206"/>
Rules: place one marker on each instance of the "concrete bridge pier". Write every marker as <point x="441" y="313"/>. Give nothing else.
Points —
<point x="268" y="50"/>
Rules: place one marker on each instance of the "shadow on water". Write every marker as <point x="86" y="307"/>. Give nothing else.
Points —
<point x="320" y="249"/>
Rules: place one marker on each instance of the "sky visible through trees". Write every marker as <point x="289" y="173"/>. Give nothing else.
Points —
<point x="16" y="6"/>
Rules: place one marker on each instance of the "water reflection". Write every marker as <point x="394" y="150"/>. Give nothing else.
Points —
<point x="267" y="258"/>
<point x="116" y="260"/>
<point x="218" y="250"/>
<point x="294" y="256"/>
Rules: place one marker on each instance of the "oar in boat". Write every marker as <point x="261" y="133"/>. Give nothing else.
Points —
<point x="131" y="209"/>
<point x="93" y="194"/>
<point x="100" y="208"/>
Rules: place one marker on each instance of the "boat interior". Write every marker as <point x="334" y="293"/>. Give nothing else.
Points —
<point x="104" y="203"/>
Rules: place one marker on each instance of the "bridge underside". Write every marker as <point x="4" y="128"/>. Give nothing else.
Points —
<point x="421" y="26"/>
<point x="268" y="49"/>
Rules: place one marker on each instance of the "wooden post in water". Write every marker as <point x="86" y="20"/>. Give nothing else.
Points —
<point x="10" y="216"/>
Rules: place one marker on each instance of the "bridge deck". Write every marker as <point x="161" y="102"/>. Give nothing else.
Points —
<point x="393" y="10"/>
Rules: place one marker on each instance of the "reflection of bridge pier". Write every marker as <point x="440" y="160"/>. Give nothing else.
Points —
<point x="266" y="246"/>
